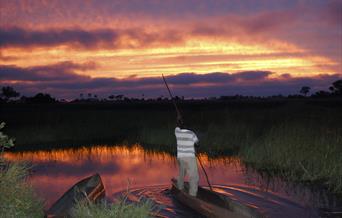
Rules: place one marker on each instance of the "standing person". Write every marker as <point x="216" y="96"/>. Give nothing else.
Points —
<point x="186" y="141"/>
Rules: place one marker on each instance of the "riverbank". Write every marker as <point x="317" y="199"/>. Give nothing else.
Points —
<point x="304" y="153"/>
<point x="19" y="199"/>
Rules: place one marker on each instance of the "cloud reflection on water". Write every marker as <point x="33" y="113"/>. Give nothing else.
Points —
<point x="54" y="172"/>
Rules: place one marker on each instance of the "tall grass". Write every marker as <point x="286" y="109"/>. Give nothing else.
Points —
<point x="17" y="198"/>
<point x="119" y="209"/>
<point x="301" y="138"/>
<point x="300" y="152"/>
<point x="58" y="125"/>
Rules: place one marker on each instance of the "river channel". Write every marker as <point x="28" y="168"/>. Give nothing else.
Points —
<point x="147" y="175"/>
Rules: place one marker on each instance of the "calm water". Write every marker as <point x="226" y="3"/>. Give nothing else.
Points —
<point x="148" y="175"/>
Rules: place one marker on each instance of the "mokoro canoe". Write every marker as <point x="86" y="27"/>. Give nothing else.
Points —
<point x="88" y="189"/>
<point x="213" y="204"/>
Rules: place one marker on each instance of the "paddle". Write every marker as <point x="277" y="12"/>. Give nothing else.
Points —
<point x="179" y="115"/>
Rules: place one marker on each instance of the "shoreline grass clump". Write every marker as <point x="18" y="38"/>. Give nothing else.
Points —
<point x="299" y="152"/>
<point x="17" y="197"/>
<point x="107" y="210"/>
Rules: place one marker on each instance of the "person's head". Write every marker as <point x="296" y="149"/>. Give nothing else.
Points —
<point x="180" y="123"/>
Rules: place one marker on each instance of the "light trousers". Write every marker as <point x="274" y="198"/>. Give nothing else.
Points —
<point x="188" y="166"/>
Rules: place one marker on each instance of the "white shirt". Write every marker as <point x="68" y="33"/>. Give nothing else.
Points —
<point x="185" y="142"/>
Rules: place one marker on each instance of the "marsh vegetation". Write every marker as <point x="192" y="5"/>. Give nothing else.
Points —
<point x="119" y="209"/>
<point x="300" y="139"/>
<point x="17" y="197"/>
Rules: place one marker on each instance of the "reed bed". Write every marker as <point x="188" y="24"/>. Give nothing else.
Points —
<point x="298" y="152"/>
<point x="118" y="209"/>
<point x="300" y="139"/>
<point x="17" y="197"/>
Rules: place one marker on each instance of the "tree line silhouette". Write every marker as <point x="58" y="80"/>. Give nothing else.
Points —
<point x="9" y="94"/>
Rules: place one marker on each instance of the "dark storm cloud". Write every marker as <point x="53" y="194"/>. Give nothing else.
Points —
<point x="62" y="81"/>
<point x="80" y="10"/>
<point x="90" y="39"/>
<point x="230" y="26"/>
<point x="192" y="78"/>
<point x="216" y="77"/>
<point x="19" y="37"/>
<point x="252" y="75"/>
<point x="57" y="72"/>
<point x="268" y="23"/>
<point x="266" y="87"/>
<point x="65" y="72"/>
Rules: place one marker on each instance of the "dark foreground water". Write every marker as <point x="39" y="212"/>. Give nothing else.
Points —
<point x="147" y="175"/>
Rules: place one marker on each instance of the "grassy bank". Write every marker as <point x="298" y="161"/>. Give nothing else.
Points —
<point x="17" y="197"/>
<point x="19" y="200"/>
<point x="119" y="209"/>
<point x="300" y="139"/>
<point x="299" y="152"/>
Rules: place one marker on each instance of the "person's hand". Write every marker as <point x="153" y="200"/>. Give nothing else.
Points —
<point x="179" y="118"/>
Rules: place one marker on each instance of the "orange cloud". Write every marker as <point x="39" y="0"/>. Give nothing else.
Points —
<point x="125" y="39"/>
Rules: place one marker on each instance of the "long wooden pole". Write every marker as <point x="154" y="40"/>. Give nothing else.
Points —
<point x="205" y="173"/>
<point x="178" y="113"/>
<point x="173" y="100"/>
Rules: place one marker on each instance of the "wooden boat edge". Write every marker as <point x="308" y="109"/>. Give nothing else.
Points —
<point x="230" y="205"/>
<point x="95" y="193"/>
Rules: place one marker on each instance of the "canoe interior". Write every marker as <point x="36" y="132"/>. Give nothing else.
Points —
<point x="88" y="189"/>
<point x="213" y="204"/>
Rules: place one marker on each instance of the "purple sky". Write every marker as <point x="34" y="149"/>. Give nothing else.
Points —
<point x="205" y="48"/>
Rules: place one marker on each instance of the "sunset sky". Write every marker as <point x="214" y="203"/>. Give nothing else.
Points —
<point x="205" y="47"/>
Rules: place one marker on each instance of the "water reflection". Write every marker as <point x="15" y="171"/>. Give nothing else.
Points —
<point x="56" y="171"/>
<point x="119" y="166"/>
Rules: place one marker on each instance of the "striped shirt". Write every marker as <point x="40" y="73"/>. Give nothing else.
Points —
<point x="185" y="142"/>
